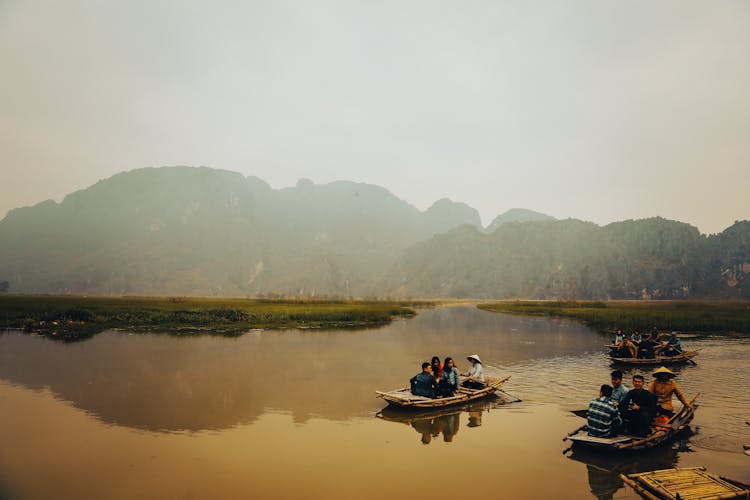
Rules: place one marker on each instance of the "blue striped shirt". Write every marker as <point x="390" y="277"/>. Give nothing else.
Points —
<point x="603" y="416"/>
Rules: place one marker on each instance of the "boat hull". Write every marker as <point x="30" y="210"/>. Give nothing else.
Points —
<point x="685" y="357"/>
<point x="405" y="399"/>
<point x="662" y="434"/>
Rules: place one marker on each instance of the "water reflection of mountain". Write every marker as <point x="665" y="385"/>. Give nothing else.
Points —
<point x="604" y="469"/>
<point x="167" y="383"/>
<point x="442" y="421"/>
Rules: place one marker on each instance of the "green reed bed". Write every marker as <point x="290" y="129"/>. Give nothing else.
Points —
<point x="693" y="316"/>
<point x="73" y="318"/>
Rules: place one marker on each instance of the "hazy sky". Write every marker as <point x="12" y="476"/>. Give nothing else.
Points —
<point x="598" y="110"/>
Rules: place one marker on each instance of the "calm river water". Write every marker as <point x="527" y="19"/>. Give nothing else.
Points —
<point x="293" y="414"/>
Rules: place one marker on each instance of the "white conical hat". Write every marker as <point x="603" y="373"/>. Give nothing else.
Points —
<point x="475" y="357"/>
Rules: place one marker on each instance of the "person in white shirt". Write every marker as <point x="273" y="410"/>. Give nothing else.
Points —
<point x="476" y="378"/>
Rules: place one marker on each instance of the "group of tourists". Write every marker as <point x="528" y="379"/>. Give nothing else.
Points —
<point x="441" y="380"/>
<point x="619" y="410"/>
<point x="646" y="347"/>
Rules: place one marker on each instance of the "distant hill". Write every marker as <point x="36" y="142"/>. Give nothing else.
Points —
<point x="516" y="215"/>
<point x="201" y="231"/>
<point x="644" y="259"/>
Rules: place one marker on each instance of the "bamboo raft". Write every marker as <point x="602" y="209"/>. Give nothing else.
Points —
<point x="693" y="483"/>
<point x="404" y="398"/>
<point x="623" y="443"/>
<point x="685" y="357"/>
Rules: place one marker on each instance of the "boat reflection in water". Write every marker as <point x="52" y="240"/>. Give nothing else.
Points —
<point x="442" y="421"/>
<point x="604" y="469"/>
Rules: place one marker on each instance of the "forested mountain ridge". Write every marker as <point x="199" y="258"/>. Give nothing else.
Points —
<point x="636" y="259"/>
<point x="201" y="231"/>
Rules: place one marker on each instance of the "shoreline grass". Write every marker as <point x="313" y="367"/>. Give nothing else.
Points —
<point x="607" y="316"/>
<point x="71" y="318"/>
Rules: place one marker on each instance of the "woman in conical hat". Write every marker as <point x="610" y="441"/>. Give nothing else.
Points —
<point x="476" y="378"/>
<point x="663" y="386"/>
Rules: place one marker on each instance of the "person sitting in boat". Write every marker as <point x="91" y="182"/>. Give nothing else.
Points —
<point x="627" y="349"/>
<point x="437" y="368"/>
<point x="619" y="391"/>
<point x="673" y="347"/>
<point x="448" y="384"/>
<point x="638" y="408"/>
<point x="423" y="383"/>
<point x="636" y="337"/>
<point x="619" y="336"/>
<point x="603" y="418"/>
<point x="663" y="386"/>
<point x="476" y="378"/>
<point x="646" y="348"/>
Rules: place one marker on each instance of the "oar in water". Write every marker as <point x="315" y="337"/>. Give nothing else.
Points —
<point x="514" y="399"/>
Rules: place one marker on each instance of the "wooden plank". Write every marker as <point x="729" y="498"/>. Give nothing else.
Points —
<point x="599" y="440"/>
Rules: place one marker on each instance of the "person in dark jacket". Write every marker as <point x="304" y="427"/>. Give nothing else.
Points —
<point x="638" y="408"/>
<point x="423" y="383"/>
<point x="646" y="348"/>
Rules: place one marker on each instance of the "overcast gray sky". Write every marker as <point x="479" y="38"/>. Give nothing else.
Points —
<point x="598" y="110"/>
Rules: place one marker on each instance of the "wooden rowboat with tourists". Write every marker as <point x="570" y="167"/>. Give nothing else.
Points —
<point x="683" y="357"/>
<point x="404" y="398"/>
<point x="623" y="443"/>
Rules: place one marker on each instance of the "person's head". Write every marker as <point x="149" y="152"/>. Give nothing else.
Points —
<point x="448" y="363"/>
<point x="426" y="367"/>
<point x="637" y="381"/>
<point x="673" y="335"/>
<point x="474" y="358"/>
<point x="605" y="390"/>
<point x="435" y="361"/>
<point x="616" y="378"/>
<point x="663" y="374"/>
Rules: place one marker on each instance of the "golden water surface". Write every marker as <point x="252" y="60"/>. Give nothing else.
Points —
<point x="293" y="414"/>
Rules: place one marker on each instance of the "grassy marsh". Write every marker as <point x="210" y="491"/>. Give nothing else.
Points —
<point x="74" y="317"/>
<point x="694" y="316"/>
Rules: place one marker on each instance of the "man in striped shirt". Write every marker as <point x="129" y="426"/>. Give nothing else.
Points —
<point x="603" y="416"/>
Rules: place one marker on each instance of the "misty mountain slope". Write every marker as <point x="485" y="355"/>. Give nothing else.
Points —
<point x="517" y="215"/>
<point x="649" y="258"/>
<point x="201" y="231"/>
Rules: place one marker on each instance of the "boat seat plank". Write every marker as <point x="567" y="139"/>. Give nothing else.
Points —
<point x="584" y="437"/>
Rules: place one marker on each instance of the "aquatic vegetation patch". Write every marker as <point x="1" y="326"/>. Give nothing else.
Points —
<point x="672" y="315"/>
<point x="73" y="318"/>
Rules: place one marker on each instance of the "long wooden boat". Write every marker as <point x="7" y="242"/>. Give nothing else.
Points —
<point x="660" y="434"/>
<point x="691" y="482"/>
<point x="684" y="357"/>
<point x="404" y="398"/>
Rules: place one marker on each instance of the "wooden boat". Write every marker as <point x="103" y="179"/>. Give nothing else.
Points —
<point x="684" y="357"/>
<point x="404" y="397"/>
<point x="659" y="435"/>
<point x="692" y="482"/>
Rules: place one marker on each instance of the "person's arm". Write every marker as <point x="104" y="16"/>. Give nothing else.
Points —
<point x="679" y="394"/>
<point x="616" y="419"/>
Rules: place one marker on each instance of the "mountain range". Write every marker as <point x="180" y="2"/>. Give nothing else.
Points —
<point x="202" y="231"/>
